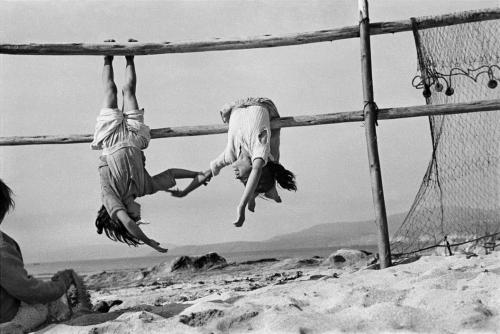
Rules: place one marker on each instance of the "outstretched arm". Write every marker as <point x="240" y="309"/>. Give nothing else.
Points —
<point x="18" y="283"/>
<point x="248" y="194"/>
<point x="199" y="179"/>
<point x="179" y="173"/>
<point x="136" y="231"/>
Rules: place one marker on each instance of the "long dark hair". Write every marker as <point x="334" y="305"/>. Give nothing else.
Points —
<point x="272" y="173"/>
<point x="114" y="229"/>
<point x="6" y="201"/>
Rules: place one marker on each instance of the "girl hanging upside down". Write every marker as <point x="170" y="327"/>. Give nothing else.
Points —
<point x="253" y="151"/>
<point x="122" y="135"/>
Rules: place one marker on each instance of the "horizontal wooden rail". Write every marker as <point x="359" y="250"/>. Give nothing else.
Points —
<point x="284" y="122"/>
<point x="264" y="41"/>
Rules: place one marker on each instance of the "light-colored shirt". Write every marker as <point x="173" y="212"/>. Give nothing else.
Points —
<point x="16" y="285"/>
<point x="249" y="133"/>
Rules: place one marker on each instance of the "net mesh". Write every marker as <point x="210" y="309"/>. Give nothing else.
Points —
<point x="459" y="198"/>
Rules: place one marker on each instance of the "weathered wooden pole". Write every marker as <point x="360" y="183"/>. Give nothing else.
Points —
<point x="370" y="113"/>
<point x="264" y="41"/>
<point x="283" y="122"/>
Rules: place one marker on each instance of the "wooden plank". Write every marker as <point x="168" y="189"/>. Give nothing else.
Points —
<point x="284" y="122"/>
<point x="264" y="41"/>
<point x="384" y="248"/>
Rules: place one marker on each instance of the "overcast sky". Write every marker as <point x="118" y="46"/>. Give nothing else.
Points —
<point x="57" y="186"/>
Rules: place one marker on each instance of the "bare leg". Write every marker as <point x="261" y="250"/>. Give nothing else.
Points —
<point x="129" y="98"/>
<point x="110" y="98"/>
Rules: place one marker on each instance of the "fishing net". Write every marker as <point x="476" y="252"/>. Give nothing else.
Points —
<point x="459" y="199"/>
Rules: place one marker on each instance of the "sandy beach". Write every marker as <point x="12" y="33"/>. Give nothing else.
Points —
<point x="341" y="293"/>
<point x="240" y="128"/>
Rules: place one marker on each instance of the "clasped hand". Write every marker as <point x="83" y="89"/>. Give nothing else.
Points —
<point x="198" y="179"/>
<point x="65" y="276"/>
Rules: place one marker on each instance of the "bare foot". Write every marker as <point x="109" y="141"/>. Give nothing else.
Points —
<point x="131" y="40"/>
<point x="109" y="57"/>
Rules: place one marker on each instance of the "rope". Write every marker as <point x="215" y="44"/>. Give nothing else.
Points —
<point x="375" y="109"/>
<point x="421" y="64"/>
<point x="447" y="245"/>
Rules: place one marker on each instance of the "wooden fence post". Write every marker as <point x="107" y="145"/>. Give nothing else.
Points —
<point x="370" y="113"/>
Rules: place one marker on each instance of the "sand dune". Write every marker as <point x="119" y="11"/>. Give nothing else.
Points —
<point x="434" y="294"/>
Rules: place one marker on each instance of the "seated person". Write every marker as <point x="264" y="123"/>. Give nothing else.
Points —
<point x="23" y="298"/>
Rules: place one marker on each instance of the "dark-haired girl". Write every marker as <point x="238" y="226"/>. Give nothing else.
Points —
<point x="122" y="135"/>
<point x="253" y="151"/>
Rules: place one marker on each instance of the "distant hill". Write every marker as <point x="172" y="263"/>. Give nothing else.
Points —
<point x="111" y="250"/>
<point x="341" y="234"/>
<point x="318" y="236"/>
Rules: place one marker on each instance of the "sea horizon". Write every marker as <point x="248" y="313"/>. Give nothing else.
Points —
<point x="85" y="267"/>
